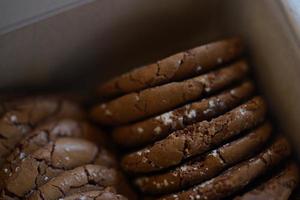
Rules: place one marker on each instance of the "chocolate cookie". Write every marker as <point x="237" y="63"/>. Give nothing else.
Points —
<point x="148" y="102"/>
<point x="237" y="177"/>
<point x="23" y="117"/>
<point x="45" y="133"/>
<point x="196" y="139"/>
<point x="176" y="67"/>
<point x="205" y="167"/>
<point x="19" y="178"/>
<point x="51" y="131"/>
<point x="279" y="187"/>
<point x="33" y="110"/>
<point x="74" y="180"/>
<point x="95" y="195"/>
<point x="158" y="127"/>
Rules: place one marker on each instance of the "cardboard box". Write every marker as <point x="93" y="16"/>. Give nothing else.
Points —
<point x="97" y="40"/>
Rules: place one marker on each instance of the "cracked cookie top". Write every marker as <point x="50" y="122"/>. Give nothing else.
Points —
<point x="156" y="100"/>
<point x="204" y="167"/>
<point x="21" y="176"/>
<point x="280" y="186"/>
<point x="173" y="68"/>
<point x="237" y="177"/>
<point x="196" y="138"/>
<point x="23" y="116"/>
<point x="155" y="128"/>
<point x="106" y="194"/>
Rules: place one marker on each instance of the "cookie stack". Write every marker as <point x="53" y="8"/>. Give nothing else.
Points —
<point x="47" y="153"/>
<point x="196" y="129"/>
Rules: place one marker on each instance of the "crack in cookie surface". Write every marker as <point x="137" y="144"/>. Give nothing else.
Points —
<point x="196" y="139"/>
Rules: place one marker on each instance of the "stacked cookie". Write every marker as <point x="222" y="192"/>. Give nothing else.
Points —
<point x="196" y="129"/>
<point x="47" y="153"/>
